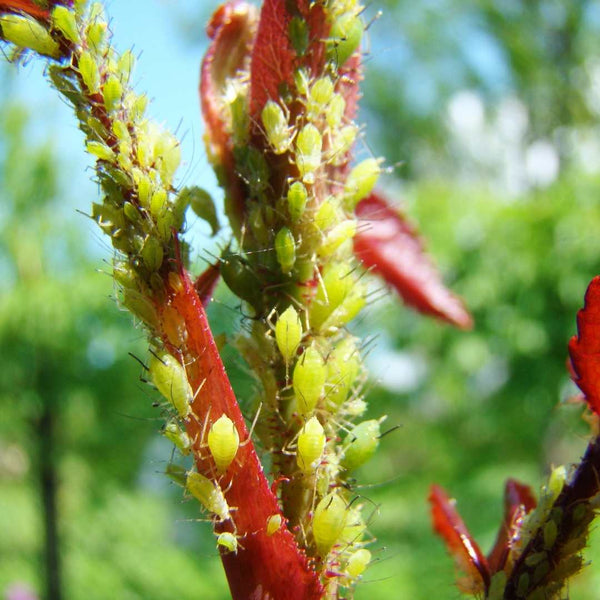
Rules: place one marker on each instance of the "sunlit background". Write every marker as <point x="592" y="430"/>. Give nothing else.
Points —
<point x="488" y="113"/>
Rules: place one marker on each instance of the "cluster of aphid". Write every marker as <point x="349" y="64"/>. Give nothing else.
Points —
<point x="294" y="267"/>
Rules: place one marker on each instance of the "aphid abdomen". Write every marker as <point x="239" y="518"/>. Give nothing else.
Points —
<point x="223" y="442"/>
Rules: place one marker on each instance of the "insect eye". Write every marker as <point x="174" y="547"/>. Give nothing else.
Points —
<point x="223" y="442"/>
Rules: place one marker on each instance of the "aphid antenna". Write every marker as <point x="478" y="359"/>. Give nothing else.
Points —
<point x="390" y="430"/>
<point x="139" y="360"/>
<point x="369" y="486"/>
<point x="254" y="421"/>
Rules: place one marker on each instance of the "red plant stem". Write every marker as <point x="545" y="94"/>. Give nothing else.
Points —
<point x="264" y="566"/>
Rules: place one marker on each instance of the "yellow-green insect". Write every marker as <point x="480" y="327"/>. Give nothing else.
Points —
<point x="277" y="130"/>
<point x="308" y="380"/>
<point x="308" y="152"/>
<point x="288" y="333"/>
<point x="311" y="442"/>
<point x="180" y="438"/>
<point x="328" y="522"/>
<point x="209" y="494"/>
<point x="227" y="542"/>
<point x="274" y="524"/>
<point x="170" y="378"/>
<point x="360" y="444"/>
<point x="358" y="562"/>
<point x="223" y="442"/>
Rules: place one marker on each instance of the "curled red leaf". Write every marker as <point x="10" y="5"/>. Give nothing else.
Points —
<point x="584" y="348"/>
<point x="206" y="283"/>
<point x="388" y="245"/>
<point x="518" y="501"/>
<point x="459" y="542"/>
<point x="274" y="58"/>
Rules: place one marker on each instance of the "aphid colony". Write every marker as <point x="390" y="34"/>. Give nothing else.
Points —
<point x="294" y="262"/>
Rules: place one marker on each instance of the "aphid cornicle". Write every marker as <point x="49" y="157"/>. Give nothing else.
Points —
<point x="170" y="378"/>
<point x="223" y="442"/>
<point x="208" y="493"/>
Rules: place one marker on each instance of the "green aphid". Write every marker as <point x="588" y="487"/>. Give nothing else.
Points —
<point x="311" y="443"/>
<point x="297" y="197"/>
<point x="343" y="368"/>
<point x="253" y="169"/>
<point x="308" y="380"/>
<point x="203" y="205"/>
<point x="361" y="181"/>
<point x="28" y="33"/>
<point x="298" y="32"/>
<point x="113" y="91"/>
<point x="227" y="542"/>
<point x="328" y="522"/>
<point x="285" y="249"/>
<point x="140" y="307"/>
<point x="288" y="333"/>
<point x="170" y="378"/>
<point x="360" y="444"/>
<point x="209" y="494"/>
<point x="88" y="69"/>
<point x="358" y="562"/>
<point x="223" y="442"/>
<point x="345" y="36"/>
<point x="309" y="144"/>
<point x="178" y="436"/>
<point x="64" y="20"/>
<point x="152" y="253"/>
<point x="277" y="130"/>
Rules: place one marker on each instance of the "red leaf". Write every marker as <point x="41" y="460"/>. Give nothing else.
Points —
<point x="206" y="283"/>
<point x="459" y="542"/>
<point x="584" y="348"/>
<point x="388" y="245"/>
<point x="518" y="501"/>
<point x="24" y="6"/>
<point x="264" y="566"/>
<point x="231" y="29"/>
